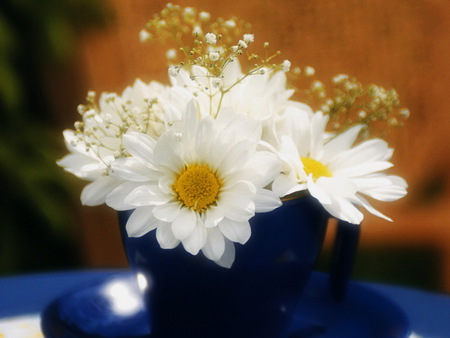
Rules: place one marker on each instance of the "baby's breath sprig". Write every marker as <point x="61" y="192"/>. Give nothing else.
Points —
<point x="206" y="43"/>
<point x="104" y="122"/>
<point x="348" y="102"/>
<point x="194" y="33"/>
<point x="211" y="45"/>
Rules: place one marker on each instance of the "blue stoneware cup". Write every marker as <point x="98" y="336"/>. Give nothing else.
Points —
<point x="191" y="296"/>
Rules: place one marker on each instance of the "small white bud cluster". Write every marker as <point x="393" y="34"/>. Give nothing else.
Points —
<point x="204" y="16"/>
<point x="106" y="121"/>
<point x="309" y="71"/>
<point x="286" y="66"/>
<point x="174" y="70"/>
<point x="217" y="82"/>
<point x="197" y="30"/>
<point x="211" y="38"/>
<point x="214" y="55"/>
<point x="340" y="78"/>
<point x="144" y="35"/>
<point x="249" y="38"/>
<point x="230" y="23"/>
<point x="404" y="113"/>
<point x="242" y="44"/>
<point x="171" y="54"/>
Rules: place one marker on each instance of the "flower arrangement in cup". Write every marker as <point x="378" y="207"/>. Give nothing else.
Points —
<point x="196" y="159"/>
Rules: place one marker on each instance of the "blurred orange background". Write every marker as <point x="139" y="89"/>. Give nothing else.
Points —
<point x="397" y="44"/>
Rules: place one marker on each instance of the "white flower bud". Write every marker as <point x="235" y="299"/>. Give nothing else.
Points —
<point x="286" y="65"/>
<point x="189" y="11"/>
<point x="309" y="71"/>
<point x="249" y="38"/>
<point x="171" y="54"/>
<point x="230" y="23"/>
<point x="204" y="16"/>
<point x="405" y="113"/>
<point x="81" y="109"/>
<point x="197" y="30"/>
<point x="144" y="35"/>
<point x="211" y="38"/>
<point x="216" y="82"/>
<point x="214" y="56"/>
<point x="362" y="114"/>
<point x="340" y="78"/>
<point x="173" y="71"/>
<point x="242" y="44"/>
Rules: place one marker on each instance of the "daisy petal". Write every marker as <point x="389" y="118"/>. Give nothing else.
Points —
<point x="141" y="221"/>
<point x="165" y="237"/>
<point x="95" y="193"/>
<point x="362" y="169"/>
<point x="140" y="146"/>
<point x="215" y="244"/>
<point x="335" y="186"/>
<point x="266" y="200"/>
<point x="232" y="161"/>
<point x="131" y="169"/>
<point x="213" y="216"/>
<point x="117" y="198"/>
<point x="228" y="256"/>
<point x="190" y="120"/>
<point x="165" y="183"/>
<point x="286" y="184"/>
<point x="368" y="151"/>
<point x="184" y="224"/>
<point x="343" y="209"/>
<point x="167" y="212"/>
<point x="147" y="194"/>
<point x="81" y="166"/>
<point x="383" y="188"/>
<point x="318" y="124"/>
<point x="237" y="200"/>
<point x="364" y="203"/>
<point x="196" y="240"/>
<point x="342" y="142"/>
<point x="238" y="208"/>
<point x="264" y="166"/>
<point x="318" y="193"/>
<point x="166" y="152"/>
<point x="235" y="231"/>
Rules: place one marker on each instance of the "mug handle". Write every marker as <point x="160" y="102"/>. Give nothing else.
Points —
<point x="343" y="258"/>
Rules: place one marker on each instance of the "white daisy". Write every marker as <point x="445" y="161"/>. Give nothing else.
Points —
<point x="199" y="187"/>
<point x="148" y="108"/>
<point x="334" y="172"/>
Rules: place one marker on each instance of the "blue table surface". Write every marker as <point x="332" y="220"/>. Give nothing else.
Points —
<point x="429" y="313"/>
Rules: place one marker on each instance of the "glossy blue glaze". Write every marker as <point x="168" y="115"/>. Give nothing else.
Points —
<point x="191" y="296"/>
<point x="366" y="311"/>
<point x="110" y="307"/>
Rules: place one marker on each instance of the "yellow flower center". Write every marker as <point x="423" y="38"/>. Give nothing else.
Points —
<point x="315" y="168"/>
<point x="197" y="187"/>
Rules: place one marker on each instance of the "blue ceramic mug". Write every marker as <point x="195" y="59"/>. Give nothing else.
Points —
<point x="191" y="296"/>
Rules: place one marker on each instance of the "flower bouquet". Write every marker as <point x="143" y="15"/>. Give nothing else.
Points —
<point x="236" y="137"/>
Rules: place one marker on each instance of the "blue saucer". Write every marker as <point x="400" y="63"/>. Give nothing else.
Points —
<point x="112" y="308"/>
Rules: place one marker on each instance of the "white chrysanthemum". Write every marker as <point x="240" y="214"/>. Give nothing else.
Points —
<point x="147" y="108"/>
<point x="199" y="187"/>
<point x="334" y="172"/>
<point x="258" y="96"/>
